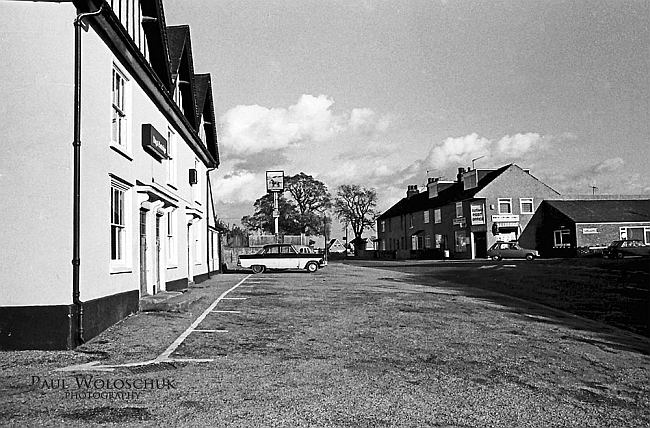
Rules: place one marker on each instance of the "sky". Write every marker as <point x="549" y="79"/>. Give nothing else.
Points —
<point x="386" y="93"/>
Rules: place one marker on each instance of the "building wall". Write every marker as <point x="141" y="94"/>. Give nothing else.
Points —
<point x="460" y="236"/>
<point x="36" y="161"/>
<point x="516" y="184"/>
<point x="36" y="173"/>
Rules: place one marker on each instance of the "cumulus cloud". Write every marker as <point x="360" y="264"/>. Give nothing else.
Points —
<point x="460" y="151"/>
<point x="255" y="129"/>
<point x="239" y="186"/>
<point x="603" y="175"/>
<point x="608" y="165"/>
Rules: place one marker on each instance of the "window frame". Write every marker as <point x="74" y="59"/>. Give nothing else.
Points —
<point x="172" y="167"/>
<point x="523" y="201"/>
<point x="561" y="233"/>
<point x="459" y="209"/>
<point x="170" y="240"/>
<point x="437" y="216"/>
<point x="120" y="113"/>
<point x="505" y="201"/>
<point x="120" y="252"/>
<point x="427" y="216"/>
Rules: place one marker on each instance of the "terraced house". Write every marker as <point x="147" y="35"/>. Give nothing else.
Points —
<point x="463" y="218"/>
<point x="108" y="137"/>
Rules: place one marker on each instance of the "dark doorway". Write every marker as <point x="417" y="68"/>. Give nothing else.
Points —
<point x="480" y="242"/>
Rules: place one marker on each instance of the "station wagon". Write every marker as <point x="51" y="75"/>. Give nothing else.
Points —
<point x="281" y="256"/>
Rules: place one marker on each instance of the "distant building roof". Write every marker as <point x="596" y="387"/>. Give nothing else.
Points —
<point x="453" y="193"/>
<point x="601" y="211"/>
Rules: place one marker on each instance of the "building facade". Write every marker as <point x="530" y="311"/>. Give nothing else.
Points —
<point x="108" y="143"/>
<point x="463" y="218"/>
<point x="582" y="227"/>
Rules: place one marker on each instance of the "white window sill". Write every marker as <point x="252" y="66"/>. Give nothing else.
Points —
<point x="121" y="269"/>
<point x="121" y="150"/>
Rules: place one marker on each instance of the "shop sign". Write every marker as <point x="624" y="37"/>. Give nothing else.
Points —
<point x="588" y="230"/>
<point x="153" y="142"/>
<point x="478" y="216"/>
<point x="505" y="218"/>
<point x="460" y="221"/>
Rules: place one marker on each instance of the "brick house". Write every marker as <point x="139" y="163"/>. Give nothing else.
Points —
<point x="461" y="219"/>
<point x="575" y="227"/>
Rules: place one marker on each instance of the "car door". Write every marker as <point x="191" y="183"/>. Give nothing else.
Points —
<point x="271" y="257"/>
<point x="290" y="257"/>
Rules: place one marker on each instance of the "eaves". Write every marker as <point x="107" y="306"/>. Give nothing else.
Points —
<point x="110" y="30"/>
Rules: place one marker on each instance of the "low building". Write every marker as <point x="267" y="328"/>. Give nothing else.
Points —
<point x="108" y="140"/>
<point x="579" y="227"/>
<point x="463" y="218"/>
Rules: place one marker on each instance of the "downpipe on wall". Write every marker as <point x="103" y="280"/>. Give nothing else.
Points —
<point x="76" y="185"/>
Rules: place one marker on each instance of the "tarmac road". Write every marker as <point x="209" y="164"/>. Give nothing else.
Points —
<point x="346" y="346"/>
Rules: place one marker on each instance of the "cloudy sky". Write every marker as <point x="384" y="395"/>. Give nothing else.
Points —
<point x="383" y="93"/>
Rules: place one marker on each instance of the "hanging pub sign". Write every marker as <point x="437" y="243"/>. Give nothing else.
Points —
<point x="478" y="217"/>
<point x="153" y="142"/>
<point x="275" y="181"/>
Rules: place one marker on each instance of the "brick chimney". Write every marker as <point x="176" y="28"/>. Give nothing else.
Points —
<point x="412" y="190"/>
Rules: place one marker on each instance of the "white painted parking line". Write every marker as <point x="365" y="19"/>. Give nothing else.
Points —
<point x="165" y="355"/>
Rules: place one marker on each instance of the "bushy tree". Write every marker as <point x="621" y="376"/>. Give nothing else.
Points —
<point x="262" y="219"/>
<point x="312" y="200"/>
<point x="356" y="206"/>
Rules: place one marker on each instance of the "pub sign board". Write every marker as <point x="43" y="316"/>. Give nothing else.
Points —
<point x="275" y="181"/>
<point x="153" y="142"/>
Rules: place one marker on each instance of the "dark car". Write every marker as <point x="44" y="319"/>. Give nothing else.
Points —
<point x="627" y="247"/>
<point x="282" y="256"/>
<point x="510" y="250"/>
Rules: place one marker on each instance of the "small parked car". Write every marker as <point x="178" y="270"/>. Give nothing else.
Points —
<point x="627" y="247"/>
<point x="510" y="250"/>
<point x="281" y="256"/>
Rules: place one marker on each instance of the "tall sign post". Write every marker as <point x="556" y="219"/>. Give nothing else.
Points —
<point x="275" y="185"/>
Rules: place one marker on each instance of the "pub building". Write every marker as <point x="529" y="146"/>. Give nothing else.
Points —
<point x="108" y="148"/>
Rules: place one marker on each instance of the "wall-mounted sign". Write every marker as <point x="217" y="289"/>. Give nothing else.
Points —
<point x="505" y="218"/>
<point x="459" y="221"/>
<point x="153" y="142"/>
<point x="478" y="217"/>
<point x="588" y="230"/>
<point x="275" y="181"/>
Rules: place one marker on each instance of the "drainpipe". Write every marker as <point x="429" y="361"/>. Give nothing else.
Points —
<point x="76" y="209"/>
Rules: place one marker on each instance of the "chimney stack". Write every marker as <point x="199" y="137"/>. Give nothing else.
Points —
<point x="412" y="190"/>
<point x="459" y="176"/>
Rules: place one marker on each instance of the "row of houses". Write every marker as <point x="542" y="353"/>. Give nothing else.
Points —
<point x="461" y="219"/>
<point x="109" y="139"/>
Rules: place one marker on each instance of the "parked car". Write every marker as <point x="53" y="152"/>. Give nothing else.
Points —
<point x="510" y="250"/>
<point x="627" y="247"/>
<point x="282" y="256"/>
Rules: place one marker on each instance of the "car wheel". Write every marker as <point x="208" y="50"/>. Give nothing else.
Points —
<point x="496" y="258"/>
<point x="311" y="267"/>
<point x="619" y="255"/>
<point x="258" y="268"/>
<point x="530" y="256"/>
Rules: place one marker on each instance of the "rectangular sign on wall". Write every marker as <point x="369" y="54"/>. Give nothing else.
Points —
<point x="153" y="142"/>
<point x="478" y="216"/>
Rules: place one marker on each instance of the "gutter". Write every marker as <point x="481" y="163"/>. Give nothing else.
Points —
<point x="76" y="185"/>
